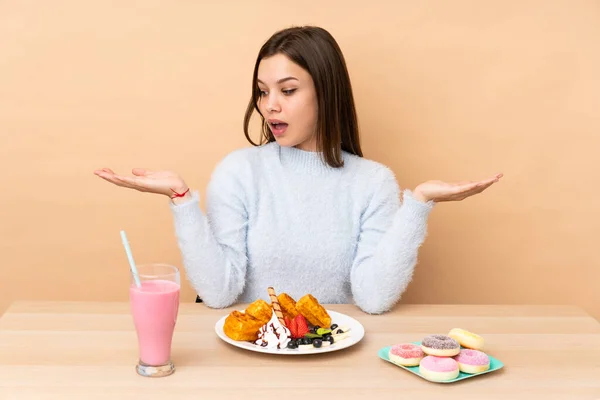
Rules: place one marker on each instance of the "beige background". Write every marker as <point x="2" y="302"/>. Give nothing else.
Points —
<point x="445" y="90"/>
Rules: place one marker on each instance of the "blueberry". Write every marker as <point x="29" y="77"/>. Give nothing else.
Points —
<point x="292" y="344"/>
<point x="334" y="326"/>
<point x="306" y="340"/>
<point x="326" y="337"/>
<point x="299" y="341"/>
<point x="316" y="327"/>
<point x="329" y="339"/>
<point x="317" y="343"/>
<point x="338" y="331"/>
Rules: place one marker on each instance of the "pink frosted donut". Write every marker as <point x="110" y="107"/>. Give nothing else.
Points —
<point x="472" y="361"/>
<point x="438" y="369"/>
<point x="406" y="354"/>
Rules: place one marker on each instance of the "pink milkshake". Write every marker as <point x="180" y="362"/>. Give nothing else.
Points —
<point x="154" y="307"/>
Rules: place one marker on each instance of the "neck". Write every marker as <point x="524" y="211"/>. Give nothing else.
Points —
<point x="309" y="145"/>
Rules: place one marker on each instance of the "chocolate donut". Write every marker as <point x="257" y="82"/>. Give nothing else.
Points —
<point x="440" y="345"/>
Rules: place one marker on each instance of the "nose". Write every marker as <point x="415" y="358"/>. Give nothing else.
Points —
<point x="272" y="103"/>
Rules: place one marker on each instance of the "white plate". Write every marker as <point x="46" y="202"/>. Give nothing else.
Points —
<point x="356" y="333"/>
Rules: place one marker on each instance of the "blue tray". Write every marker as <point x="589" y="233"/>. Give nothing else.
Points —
<point x="495" y="365"/>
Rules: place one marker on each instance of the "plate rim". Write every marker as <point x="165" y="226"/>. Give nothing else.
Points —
<point x="354" y="339"/>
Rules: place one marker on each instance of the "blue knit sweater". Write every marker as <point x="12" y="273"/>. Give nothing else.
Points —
<point x="279" y="216"/>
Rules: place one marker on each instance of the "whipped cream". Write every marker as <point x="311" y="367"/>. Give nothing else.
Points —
<point x="273" y="334"/>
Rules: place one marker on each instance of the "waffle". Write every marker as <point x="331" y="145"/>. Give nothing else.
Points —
<point x="314" y="312"/>
<point x="244" y="326"/>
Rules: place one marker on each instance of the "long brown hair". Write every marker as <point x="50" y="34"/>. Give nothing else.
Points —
<point x="316" y="51"/>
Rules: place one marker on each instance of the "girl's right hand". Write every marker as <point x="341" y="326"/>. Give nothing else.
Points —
<point x="144" y="180"/>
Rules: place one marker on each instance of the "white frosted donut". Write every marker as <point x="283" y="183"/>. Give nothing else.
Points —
<point x="467" y="339"/>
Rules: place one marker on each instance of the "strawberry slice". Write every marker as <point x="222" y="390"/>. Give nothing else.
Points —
<point x="301" y="325"/>
<point x="291" y="325"/>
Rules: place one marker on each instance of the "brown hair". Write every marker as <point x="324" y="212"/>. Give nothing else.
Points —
<point x="316" y="51"/>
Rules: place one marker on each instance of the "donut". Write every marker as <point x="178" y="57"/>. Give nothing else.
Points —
<point x="472" y="361"/>
<point x="467" y="339"/>
<point x="407" y="354"/>
<point x="438" y="369"/>
<point x="440" y="345"/>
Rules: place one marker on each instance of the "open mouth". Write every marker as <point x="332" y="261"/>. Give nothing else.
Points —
<point x="277" y="127"/>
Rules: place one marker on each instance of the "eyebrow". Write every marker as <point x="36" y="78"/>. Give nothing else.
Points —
<point x="289" y="78"/>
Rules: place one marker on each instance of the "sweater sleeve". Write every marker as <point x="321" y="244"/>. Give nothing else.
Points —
<point x="213" y="246"/>
<point x="389" y="240"/>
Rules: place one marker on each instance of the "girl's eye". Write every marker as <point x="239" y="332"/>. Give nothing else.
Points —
<point x="262" y="93"/>
<point x="288" y="91"/>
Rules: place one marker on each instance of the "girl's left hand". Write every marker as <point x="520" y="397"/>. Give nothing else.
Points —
<point x="439" y="191"/>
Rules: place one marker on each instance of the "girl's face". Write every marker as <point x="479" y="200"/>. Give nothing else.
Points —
<point x="288" y="101"/>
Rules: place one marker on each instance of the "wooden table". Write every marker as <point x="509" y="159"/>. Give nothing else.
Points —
<point x="67" y="350"/>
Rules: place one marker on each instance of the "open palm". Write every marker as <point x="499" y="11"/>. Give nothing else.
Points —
<point x="439" y="191"/>
<point x="145" y="180"/>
